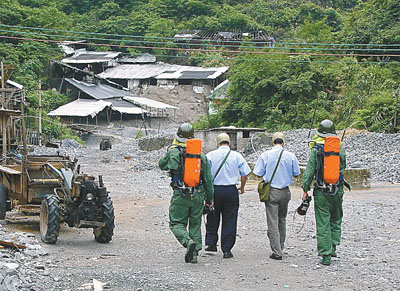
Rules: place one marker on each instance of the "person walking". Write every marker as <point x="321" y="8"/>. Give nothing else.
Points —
<point x="285" y="165"/>
<point x="226" y="168"/>
<point x="187" y="203"/>
<point x="328" y="198"/>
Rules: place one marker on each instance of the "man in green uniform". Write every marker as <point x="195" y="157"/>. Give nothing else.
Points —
<point x="327" y="206"/>
<point x="187" y="203"/>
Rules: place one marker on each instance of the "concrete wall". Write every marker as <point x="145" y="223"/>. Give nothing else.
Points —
<point x="239" y="139"/>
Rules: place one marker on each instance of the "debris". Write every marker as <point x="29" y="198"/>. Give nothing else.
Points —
<point x="98" y="286"/>
<point x="12" y="245"/>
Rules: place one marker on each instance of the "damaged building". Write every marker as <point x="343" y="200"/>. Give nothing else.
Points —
<point x="101" y="104"/>
<point x="174" y="86"/>
<point x="191" y="37"/>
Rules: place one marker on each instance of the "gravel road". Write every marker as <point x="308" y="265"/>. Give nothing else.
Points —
<point x="144" y="254"/>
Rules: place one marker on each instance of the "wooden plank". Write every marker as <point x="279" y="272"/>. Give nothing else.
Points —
<point x="9" y="171"/>
<point x="11" y="244"/>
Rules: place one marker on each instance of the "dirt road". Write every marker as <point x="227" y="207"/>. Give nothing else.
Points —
<point x="144" y="255"/>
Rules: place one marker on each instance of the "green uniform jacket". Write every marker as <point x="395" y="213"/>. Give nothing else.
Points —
<point x="170" y="162"/>
<point x="313" y="165"/>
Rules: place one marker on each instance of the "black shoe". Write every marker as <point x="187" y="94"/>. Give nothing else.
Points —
<point x="227" y="255"/>
<point x="275" y="257"/>
<point x="211" y="248"/>
<point x="189" y="251"/>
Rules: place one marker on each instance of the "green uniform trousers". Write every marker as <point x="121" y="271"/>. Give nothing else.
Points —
<point x="184" y="211"/>
<point x="328" y="216"/>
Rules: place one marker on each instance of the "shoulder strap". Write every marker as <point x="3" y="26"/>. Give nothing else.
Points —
<point x="277" y="164"/>
<point x="220" y="166"/>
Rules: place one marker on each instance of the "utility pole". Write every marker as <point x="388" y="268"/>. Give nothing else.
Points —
<point x="40" y="113"/>
<point x="396" y="93"/>
<point x="3" y="116"/>
<point x="3" y="96"/>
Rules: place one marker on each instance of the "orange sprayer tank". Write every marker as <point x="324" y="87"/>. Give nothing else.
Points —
<point x="331" y="160"/>
<point x="191" y="176"/>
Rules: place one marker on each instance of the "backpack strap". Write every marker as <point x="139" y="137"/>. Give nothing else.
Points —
<point x="220" y="166"/>
<point x="276" y="166"/>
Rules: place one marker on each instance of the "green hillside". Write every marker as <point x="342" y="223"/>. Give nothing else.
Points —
<point x="338" y="57"/>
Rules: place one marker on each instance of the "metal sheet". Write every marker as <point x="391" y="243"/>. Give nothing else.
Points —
<point x="98" y="91"/>
<point x="81" y="108"/>
<point x="82" y="56"/>
<point x="144" y="71"/>
<point x="193" y="73"/>
<point x="141" y="101"/>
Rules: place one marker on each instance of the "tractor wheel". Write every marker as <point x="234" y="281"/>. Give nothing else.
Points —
<point x="3" y="202"/>
<point x="49" y="219"/>
<point x="104" y="234"/>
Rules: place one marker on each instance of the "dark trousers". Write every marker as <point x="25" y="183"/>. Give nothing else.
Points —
<point x="226" y="203"/>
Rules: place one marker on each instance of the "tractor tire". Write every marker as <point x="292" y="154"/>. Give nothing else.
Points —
<point x="104" y="234"/>
<point x="49" y="219"/>
<point x="3" y="202"/>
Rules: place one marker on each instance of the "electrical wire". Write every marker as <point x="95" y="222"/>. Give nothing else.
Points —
<point x="211" y="57"/>
<point x="210" y="50"/>
<point x="200" y="40"/>
<point x="203" y="45"/>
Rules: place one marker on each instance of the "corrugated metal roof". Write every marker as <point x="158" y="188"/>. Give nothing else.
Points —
<point x="91" y="107"/>
<point x="129" y="110"/>
<point x="141" y="101"/>
<point x="126" y="107"/>
<point x="194" y="73"/>
<point x="98" y="91"/>
<point x="161" y="71"/>
<point x="143" y="59"/>
<point x="81" y="108"/>
<point x="83" y="56"/>
<point x="137" y="71"/>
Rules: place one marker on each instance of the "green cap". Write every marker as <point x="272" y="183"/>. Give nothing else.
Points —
<point x="185" y="132"/>
<point x="326" y="128"/>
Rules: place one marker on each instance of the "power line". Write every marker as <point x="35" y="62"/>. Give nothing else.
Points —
<point x="210" y="50"/>
<point x="202" y="45"/>
<point x="201" y="40"/>
<point x="208" y="57"/>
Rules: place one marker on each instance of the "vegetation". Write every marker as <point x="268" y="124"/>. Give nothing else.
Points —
<point x="274" y="91"/>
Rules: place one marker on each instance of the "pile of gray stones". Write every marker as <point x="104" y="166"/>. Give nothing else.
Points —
<point x="23" y="269"/>
<point x="379" y="152"/>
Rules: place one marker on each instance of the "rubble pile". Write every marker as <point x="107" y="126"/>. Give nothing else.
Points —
<point x="23" y="269"/>
<point x="155" y="142"/>
<point x="70" y="143"/>
<point x="379" y="152"/>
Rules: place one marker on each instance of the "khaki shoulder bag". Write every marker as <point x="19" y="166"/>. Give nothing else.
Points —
<point x="264" y="187"/>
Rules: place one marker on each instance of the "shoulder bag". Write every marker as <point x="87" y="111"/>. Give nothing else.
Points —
<point x="264" y="187"/>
